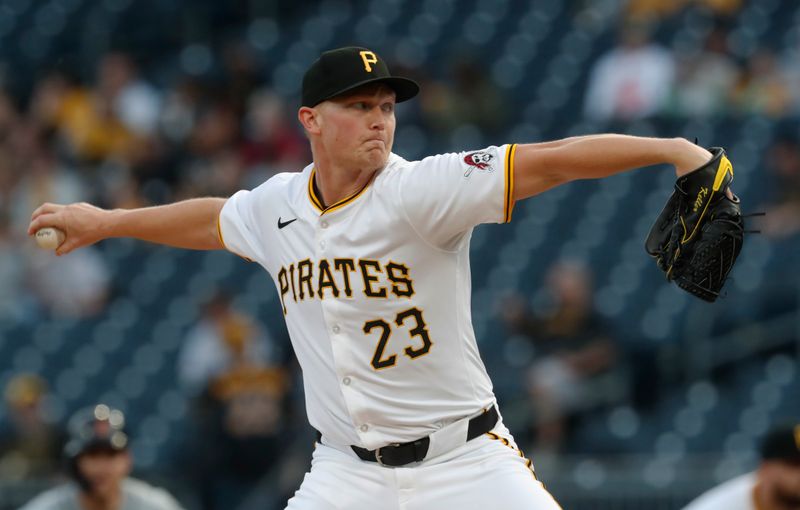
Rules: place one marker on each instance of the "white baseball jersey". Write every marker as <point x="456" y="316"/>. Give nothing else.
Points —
<point x="376" y="289"/>
<point x="735" y="494"/>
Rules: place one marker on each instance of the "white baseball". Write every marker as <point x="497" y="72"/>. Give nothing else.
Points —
<point x="49" y="238"/>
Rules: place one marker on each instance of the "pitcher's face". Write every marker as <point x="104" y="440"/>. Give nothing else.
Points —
<point x="357" y="128"/>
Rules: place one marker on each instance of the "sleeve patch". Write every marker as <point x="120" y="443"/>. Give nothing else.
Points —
<point x="481" y="161"/>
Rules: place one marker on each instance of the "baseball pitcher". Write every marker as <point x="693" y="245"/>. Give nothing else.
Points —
<point x="369" y="253"/>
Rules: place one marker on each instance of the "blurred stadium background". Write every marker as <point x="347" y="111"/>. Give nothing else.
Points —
<point x="126" y="103"/>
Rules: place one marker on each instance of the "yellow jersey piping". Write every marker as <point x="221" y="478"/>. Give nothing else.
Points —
<point x="222" y="240"/>
<point x="311" y="195"/>
<point x="528" y="462"/>
<point x="219" y="229"/>
<point x="317" y="203"/>
<point x="508" y="202"/>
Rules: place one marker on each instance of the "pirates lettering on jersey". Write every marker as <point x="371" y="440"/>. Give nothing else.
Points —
<point x="369" y="270"/>
<point x="304" y="275"/>
<point x="326" y="280"/>
<point x="402" y="286"/>
<point x="308" y="280"/>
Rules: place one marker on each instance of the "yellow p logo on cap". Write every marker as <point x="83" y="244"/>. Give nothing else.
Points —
<point x="368" y="58"/>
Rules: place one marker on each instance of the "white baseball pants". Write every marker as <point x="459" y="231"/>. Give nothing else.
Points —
<point x="487" y="473"/>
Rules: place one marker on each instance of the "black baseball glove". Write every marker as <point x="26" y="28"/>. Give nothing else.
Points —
<point x="699" y="234"/>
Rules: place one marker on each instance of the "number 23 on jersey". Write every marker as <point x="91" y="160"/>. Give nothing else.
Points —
<point x="417" y="329"/>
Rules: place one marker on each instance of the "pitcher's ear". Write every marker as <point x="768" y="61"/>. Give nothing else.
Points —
<point x="309" y="118"/>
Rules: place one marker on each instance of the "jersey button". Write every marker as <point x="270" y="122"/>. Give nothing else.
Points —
<point x="323" y="224"/>
<point x="346" y="381"/>
<point x="364" y="427"/>
<point x="322" y="245"/>
<point x="336" y="329"/>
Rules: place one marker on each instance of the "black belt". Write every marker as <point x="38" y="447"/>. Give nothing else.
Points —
<point x="400" y="454"/>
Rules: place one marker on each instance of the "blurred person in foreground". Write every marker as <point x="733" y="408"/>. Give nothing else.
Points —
<point x="99" y="462"/>
<point x="574" y="352"/>
<point x="30" y="443"/>
<point x="363" y="244"/>
<point x="774" y="485"/>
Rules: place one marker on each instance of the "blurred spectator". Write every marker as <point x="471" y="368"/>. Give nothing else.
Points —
<point x="467" y="98"/>
<point x="783" y="211"/>
<point x="242" y="434"/>
<point x="30" y="444"/>
<point x="115" y="119"/>
<point x="221" y="341"/>
<point x="705" y="79"/>
<point x="16" y="301"/>
<point x="180" y="110"/>
<point x="217" y="129"/>
<point x="217" y="174"/>
<point x="648" y="10"/>
<point x="9" y="116"/>
<point x="132" y="100"/>
<point x="78" y="286"/>
<point x="85" y="119"/>
<point x="99" y="462"/>
<point x="126" y="95"/>
<point x="229" y="365"/>
<point x="761" y="88"/>
<point x="43" y="177"/>
<point x="273" y="142"/>
<point x="790" y="68"/>
<point x="212" y="166"/>
<point x="774" y="485"/>
<point x="574" y="352"/>
<point x="9" y="176"/>
<point x="242" y="75"/>
<point x="632" y="80"/>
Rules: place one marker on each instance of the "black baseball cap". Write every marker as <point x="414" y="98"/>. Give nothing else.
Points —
<point x="782" y="443"/>
<point x="343" y="69"/>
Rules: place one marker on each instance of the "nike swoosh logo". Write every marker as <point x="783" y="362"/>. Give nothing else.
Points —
<point x="282" y="224"/>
